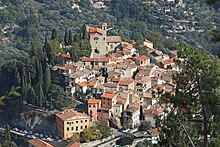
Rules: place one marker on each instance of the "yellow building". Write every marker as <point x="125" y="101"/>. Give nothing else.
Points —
<point x="69" y="122"/>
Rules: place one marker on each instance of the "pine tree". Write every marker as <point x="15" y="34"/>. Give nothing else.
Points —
<point x="54" y="35"/>
<point x="196" y="100"/>
<point x="70" y="41"/>
<point x="66" y="37"/>
<point x="47" y="79"/>
<point x="85" y="34"/>
<point x="51" y="103"/>
<point x="17" y="81"/>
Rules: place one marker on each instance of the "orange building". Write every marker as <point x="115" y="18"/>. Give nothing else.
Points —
<point x="69" y="122"/>
<point x="93" y="106"/>
<point x="108" y="100"/>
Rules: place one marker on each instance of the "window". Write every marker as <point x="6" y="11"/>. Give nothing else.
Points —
<point x="96" y="38"/>
<point x="93" y="106"/>
<point x="67" y="128"/>
<point x="108" y="103"/>
<point x="76" y="121"/>
<point x="103" y="102"/>
<point x="81" y="121"/>
<point x="116" y="110"/>
<point x="72" y="128"/>
<point x="103" y="38"/>
<point x="76" y="128"/>
<point x="89" y="105"/>
<point x="96" y="51"/>
<point x="90" y="111"/>
<point x="81" y="127"/>
<point x="85" y="120"/>
<point x="85" y="126"/>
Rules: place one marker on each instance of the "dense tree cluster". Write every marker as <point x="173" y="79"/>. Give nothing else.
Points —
<point x="195" y="103"/>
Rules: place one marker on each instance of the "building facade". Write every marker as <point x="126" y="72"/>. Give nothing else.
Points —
<point x="69" y="122"/>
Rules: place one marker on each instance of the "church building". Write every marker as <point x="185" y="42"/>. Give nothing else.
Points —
<point x="101" y="43"/>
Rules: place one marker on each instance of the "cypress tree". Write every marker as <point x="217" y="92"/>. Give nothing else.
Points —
<point x="85" y="34"/>
<point x="17" y="81"/>
<point x="40" y="74"/>
<point x="40" y="95"/>
<point x="51" y="103"/>
<point x="66" y="37"/>
<point x="70" y="41"/>
<point x="47" y="79"/>
<point x="29" y="78"/>
<point x="54" y="35"/>
<point x="32" y="95"/>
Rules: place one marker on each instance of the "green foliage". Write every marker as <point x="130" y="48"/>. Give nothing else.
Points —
<point x="145" y="143"/>
<point x="125" y="140"/>
<point x="104" y="129"/>
<point x="54" y="35"/>
<point x="47" y="79"/>
<point x="196" y="100"/>
<point x="66" y="37"/>
<point x="144" y="126"/>
<point x="75" y="137"/>
<point x="100" y="130"/>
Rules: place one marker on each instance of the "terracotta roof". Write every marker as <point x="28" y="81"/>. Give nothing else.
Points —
<point x="82" y="84"/>
<point x="108" y="95"/>
<point x="96" y="30"/>
<point x="168" y="61"/>
<point x="154" y="131"/>
<point x="86" y="59"/>
<point x="126" y="52"/>
<point x="133" y="109"/>
<point x="73" y="144"/>
<point x="92" y="84"/>
<point x="127" y="45"/>
<point x="69" y="113"/>
<point x="68" y="56"/>
<point x="125" y="81"/>
<point x="39" y="143"/>
<point x="112" y="39"/>
<point x="93" y="101"/>
<point x="141" y="58"/>
<point x="65" y="67"/>
<point x="153" y="111"/>
<point x="128" y="60"/>
<point x="114" y="85"/>
<point x="121" y="102"/>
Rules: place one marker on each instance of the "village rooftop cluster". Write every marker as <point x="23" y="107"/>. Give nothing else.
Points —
<point x="122" y="87"/>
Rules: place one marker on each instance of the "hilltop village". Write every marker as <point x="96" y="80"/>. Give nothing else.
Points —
<point x="121" y="88"/>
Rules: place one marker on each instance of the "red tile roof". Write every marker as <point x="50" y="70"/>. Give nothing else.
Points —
<point x="113" y="85"/>
<point x="93" y="101"/>
<point x="68" y="56"/>
<point x="168" y="61"/>
<point x="127" y="45"/>
<point x="126" y="52"/>
<point x="82" y="84"/>
<point x="73" y="144"/>
<point x="108" y="95"/>
<point x="141" y="58"/>
<point x="96" y="30"/>
<point x="125" y="82"/>
<point x="39" y="143"/>
<point x="69" y="113"/>
<point x="153" y="111"/>
<point x="86" y="59"/>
